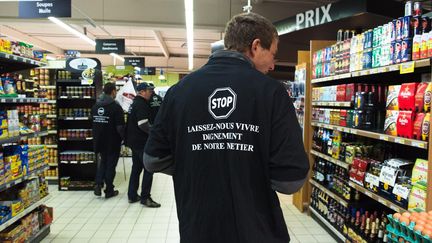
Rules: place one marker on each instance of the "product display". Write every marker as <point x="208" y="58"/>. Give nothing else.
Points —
<point x="75" y="112"/>
<point x="78" y="134"/>
<point x="77" y="92"/>
<point x="410" y="227"/>
<point x="19" y="48"/>
<point x="79" y="156"/>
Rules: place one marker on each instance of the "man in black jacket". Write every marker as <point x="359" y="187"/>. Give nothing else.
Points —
<point x="155" y="103"/>
<point x="230" y="137"/>
<point x="137" y="129"/>
<point x="108" y="126"/>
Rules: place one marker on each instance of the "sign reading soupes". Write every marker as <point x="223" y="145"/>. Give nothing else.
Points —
<point x="106" y="46"/>
<point x="45" y="8"/>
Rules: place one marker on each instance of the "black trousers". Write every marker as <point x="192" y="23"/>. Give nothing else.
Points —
<point x="106" y="169"/>
<point x="137" y="168"/>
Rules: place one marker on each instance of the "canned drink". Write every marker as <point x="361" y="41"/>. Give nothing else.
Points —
<point x="426" y="25"/>
<point x="407" y="26"/>
<point x="346" y="35"/>
<point x="416" y="26"/>
<point x="398" y="28"/>
<point x="408" y="8"/>
<point x="393" y="30"/>
<point x="397" y="51"/>
<point x="417" y="9"/>
<point x="339" y="35"/>
<point x="370" y="37"/>
<point x="406" y="50"/>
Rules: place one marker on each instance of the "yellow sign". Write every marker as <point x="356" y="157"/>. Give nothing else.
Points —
<point x="407" y="67"/>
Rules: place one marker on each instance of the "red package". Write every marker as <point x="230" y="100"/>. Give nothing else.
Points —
<point x="418" y="124"/>
<point x="341" y="92"/>
<point x="405" y="124"/>
<point x="351" y="89"/>
<point x="419" y="97"/>
<point x="406" y="98"/>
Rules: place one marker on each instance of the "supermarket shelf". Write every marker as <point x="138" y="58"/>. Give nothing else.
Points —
<point x="332" y="104"/>
<point x="391" y="68"/>
<point x="328" y="158"/>
<point x="76" y="97"/>
<point x="74" y="118"/>
<point x="53" y="164"/>
<point x="40" y="235"/>
<point x="78" y="162"/>
<point x="51" y="177"/>
<point x="19" y="180"/>
<point x="75" y="139"/>
<point x="51" y="116"/>
<point x="51" y="146"/>
<point x="52" y="132"/>
<point x="51" y="101"/>
<point x="47" y="86"/>
<point x="328" y="192"/>
<point x="374" y="135"/>
<point x="23" y="137"/>
<point x="22" y="100"/>
<point x="24" y="213"/>
<point x="327" y="224"/>
<point x="75" y="188"/>
<point x="20" y="60"/>
<point x="377" y="198"/>
<point x="69" y="80"/>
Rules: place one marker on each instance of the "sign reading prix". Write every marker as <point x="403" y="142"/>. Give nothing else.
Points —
<point x="321" y="15"/>
<point x="107" y="46"/>
<point x="44" y="9"/>
<point x="135" y="61"/>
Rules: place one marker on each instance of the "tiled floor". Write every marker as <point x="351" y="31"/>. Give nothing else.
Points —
<point x="82" y="217"/>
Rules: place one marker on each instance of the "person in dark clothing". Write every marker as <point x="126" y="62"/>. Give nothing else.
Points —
<point x="230" y="137"/>
<point x="137" y="129"/>
<point x="108" y="133"/>
<point x="155" y="103"/>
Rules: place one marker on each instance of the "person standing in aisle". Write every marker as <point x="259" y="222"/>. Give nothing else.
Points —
<point x="155" y="103"/>
<point x="230" y="137"/>
<point x="137" y="130"/>
<point x="108" y="133"/>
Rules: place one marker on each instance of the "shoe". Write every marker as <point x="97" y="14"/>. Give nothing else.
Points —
<point x="98" y="190"/>
<point x="111" y="194"/>
<point x="136" y="199"/>
<point x="150" y="203"/>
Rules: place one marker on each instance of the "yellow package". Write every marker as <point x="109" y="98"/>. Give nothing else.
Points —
<point x="7" y="46"/>
<point x="428" y="97"/>
<point x="419" y="173"/>
<point x="16" y="169"/>
<point x="425" y="127"/>
<point x="417" y="199"/>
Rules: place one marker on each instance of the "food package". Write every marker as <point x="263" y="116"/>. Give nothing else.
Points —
<point x="392" y="97"/>
<point x="391" y="172"/>
<point x="341" y="92"/>
<point x="417" y="199"/>
<point x="405" y="124"/>
<point x="419" y="97"/>
<point x="428" y="97"/>
<point x="406" y="97"/>
<point x="418" y="126"/>
<point x="390" y="124"/>
<point x="419" y="173"/>
<point x="426" y="127"/>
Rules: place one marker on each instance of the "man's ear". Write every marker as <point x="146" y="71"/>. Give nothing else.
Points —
<point x="255" y="45"/>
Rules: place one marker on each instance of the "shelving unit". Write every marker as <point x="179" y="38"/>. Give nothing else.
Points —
<point x="73" y="94"/>
<point x="12" y="63"/>
<point x="332" y="229"/>
<point x="328" y="192"/>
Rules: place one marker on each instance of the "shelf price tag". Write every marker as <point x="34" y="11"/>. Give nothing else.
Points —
<point x="418" y="144"/>
<point x="384" y="137"/>
<point x="407" y="67"/>
<point x="400" y="140"/>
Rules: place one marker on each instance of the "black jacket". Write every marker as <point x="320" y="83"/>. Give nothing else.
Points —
<point x="139" y="112"/>
<point x="155" y="103"/>
<point x="234" y="138"/>
<point x="108" y="124"/>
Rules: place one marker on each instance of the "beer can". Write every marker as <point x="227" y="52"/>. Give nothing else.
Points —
<point x="426" y="25"/>
<point x="398" y="28"/>
<point x="406" y="50"/>
<point x="408" y="8"/>
<point x="416" y="26"/>
<point x="407" y="30"/>
<point x="417" y="9"/>
<point x="370" y="38"/>
<point x="346" y="35"/>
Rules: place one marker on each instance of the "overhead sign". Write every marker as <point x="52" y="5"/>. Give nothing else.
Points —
<point x="148" y="71"/>
<point x="135" y="61"/>
<point x="321" y="15"/>
<point x="44" y="9"/>
<point x="106" y="46"/>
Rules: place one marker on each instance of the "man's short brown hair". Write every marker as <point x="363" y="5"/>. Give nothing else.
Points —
<point x="244" y="28"/>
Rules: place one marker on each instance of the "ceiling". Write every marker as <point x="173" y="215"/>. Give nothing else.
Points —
<point x="152" y="28"/>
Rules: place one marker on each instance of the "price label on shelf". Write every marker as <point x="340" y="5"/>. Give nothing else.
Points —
<point x="367" y="193"/>
<point x="15" y="58"/>
<point x="418" y="144"/>
<point x="384" y="137"/>
<point x="394" y="208"/>
<point x="382" y="201"/>
<point x="400" y="140"/>
<point x="7" y="56"/>
<point x="407" y="67"/>
<point x="353" y="131"/>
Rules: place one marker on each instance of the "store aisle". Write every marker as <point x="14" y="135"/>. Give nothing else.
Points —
<point x="82" y="217"/>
